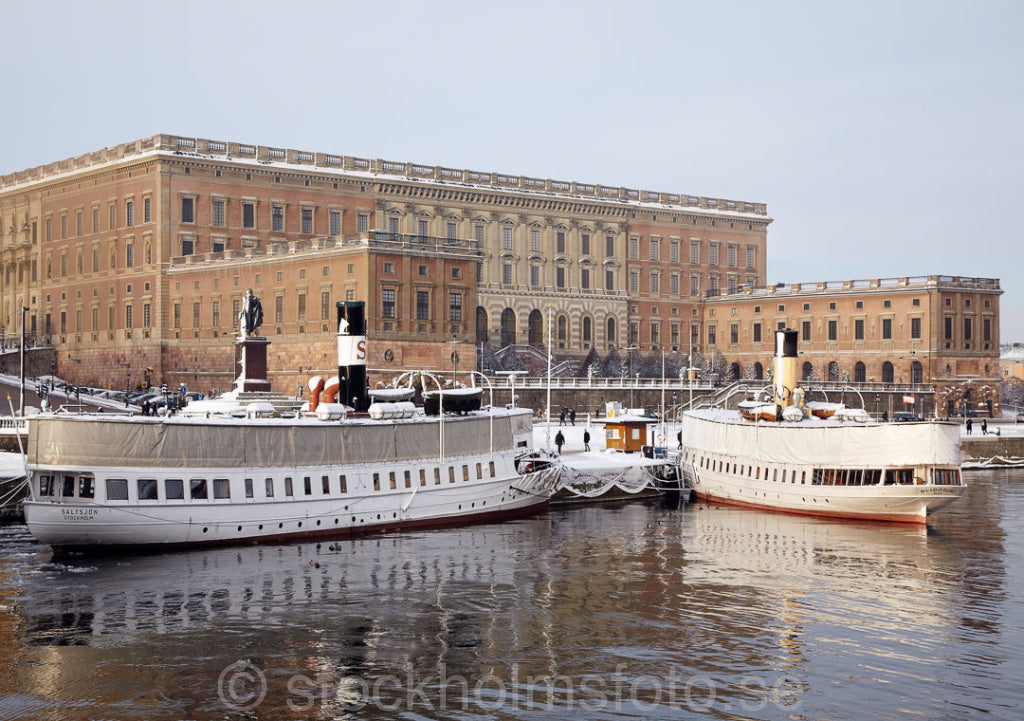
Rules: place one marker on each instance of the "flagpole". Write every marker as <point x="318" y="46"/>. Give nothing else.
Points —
<point x="549" y="379"/>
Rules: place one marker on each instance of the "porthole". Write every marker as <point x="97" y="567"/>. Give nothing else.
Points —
<point x="205" y="529"/>
<point x="261" y="527"/>
<point x="239" y="529"/>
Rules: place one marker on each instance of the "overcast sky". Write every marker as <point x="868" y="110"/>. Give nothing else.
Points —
<point x="885" y="137"/>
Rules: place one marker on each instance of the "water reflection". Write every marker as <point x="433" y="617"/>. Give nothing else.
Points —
<point x="630" y="611"/>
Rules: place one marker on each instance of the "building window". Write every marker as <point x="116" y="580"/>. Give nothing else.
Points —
<point x="655" y="278"/>
<point x="176" y="315"/>
<point x="609" y="246"/>
<point x="713" y="285"/>
<point x="307" y="220"/>
<point x="694" y="285"/>
<point x="560" y="277"/>
<point x="949" y="327"/>
<point x="362" y="222"/>
<point x="805" y="330"/>
<point x="833" y="330"/>
<point x="506" y="273"/>
<point x="248" y="215"/>
<point x="712" y="335"/>
<point x="393" y="225"/>
<point x="422" y="305"/>
<point x="389" y="268"/>
<point x="584" y="278"/>
<point x="196" y="312"/>
<point x="757" y="332"/>
<point x="634" y="250"/>
<point x="634" y="282"/>
<point x="188" y="211"/>
<point x="967" y="329"/>
<point x="535" y="276"/>
<point x="279" y="309"/>
<point x="147" y="210"/>
<point x="218" y="214"/>
<point x="751" y="256"/>
<point x="694" y="252"/>
<point x="112" y="219"/>
<point x="732" y="256"/>
<point x="986" y="332"/>
<point x="560" y="241"/>
<point x="506" y="238"/>
<point x="915" y="327"/>
<point x="129" y="255"/>
<point x="214" y="313"/>
<point x="655" y="332"/>
<point x="858" y="329"/>
<point x="452" y="231"/>
<point x="673" y="284"/>
<point x="732" y="284"/>
<point x="674" y="251"/>
<point x="585" y="244"/>
<point x="713" y="254"/>
<point x="535" y="240"/>
<point x="734" y="333"/>
<point x="187" y="246"/>
<point x="95" y="223"/>
<point x="277" y="218"/>
<point x="421" y="228"/>
<point x="886" y="328"/>
<point x="609" y="280"/>
<point x="455" y="306"/>
<point x="325" y="305"/>
<point x="387" y="303"/>
<point x="655" y="249"/>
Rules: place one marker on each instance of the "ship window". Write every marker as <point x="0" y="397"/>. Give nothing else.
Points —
<point x="288" y="490"/>
<point x="465" y="473"/>
<point x="775" y="474"/>
<point x="437" y="476"/>
<point x="343" y="482"/>
<point x="872" y="476"/>
<point x="391" y="480"/>
<point x="946" y="477"/>
<point x="117" y="489"/>
<point x="451" y="474"/>
<point x="408" y="478"/>
<point x="803" y="478"/>
<point x="174" y="489"/>
<point x="248" y="488"/>
<point x="269" y="487"/>
<point x="479" y="471"/>
<point x="68" y="487"/>
<point x="758" y="476"/>
<point x="147" y="489"/>
<point x="423" y="476"/>
<point x="491" y="467"/>
<point x="86" y="487"/>
<point x="376" y="481"/>
<point x="307" y="485"/>
<point x="221" y="488"/>
<point x="816" y="476"/>
<point x="197" y="488"/>
<point x="46" y="485"/>
<point x="325" y="484"/>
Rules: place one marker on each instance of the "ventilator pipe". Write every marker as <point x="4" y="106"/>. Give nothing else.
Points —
<point x="331" y="389"/>
<point x="315" y="385"/>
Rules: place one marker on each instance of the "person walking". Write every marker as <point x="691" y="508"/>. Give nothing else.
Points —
<point x="969" y="426"/>
<point x="561" y="417"/>
<point x="586" y="440"/>
<point x="559" y="442"/>
<point x="984" y="426"/>
<point x="572" y="416"/>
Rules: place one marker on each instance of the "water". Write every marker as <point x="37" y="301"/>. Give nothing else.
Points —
<point x="632" y="611"/>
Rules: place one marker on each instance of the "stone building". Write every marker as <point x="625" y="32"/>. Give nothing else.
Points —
<point x="938" y="330"/>
<point x="136" y="257"/>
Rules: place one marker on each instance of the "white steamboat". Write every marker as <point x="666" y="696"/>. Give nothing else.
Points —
<point x="820" y="461"/>
<point x="225" y="473"/>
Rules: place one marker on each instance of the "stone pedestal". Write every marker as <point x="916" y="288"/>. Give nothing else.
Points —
<point x="251" y="364"/>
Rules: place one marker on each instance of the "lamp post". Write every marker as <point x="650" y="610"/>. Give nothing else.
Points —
<point x="24" y="310"/>
<point x="629" y="359"/>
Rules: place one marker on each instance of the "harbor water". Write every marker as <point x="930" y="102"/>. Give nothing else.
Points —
<point x="638" y="610"/>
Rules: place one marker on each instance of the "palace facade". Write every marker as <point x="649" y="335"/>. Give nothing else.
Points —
<point x="137" y="257"/>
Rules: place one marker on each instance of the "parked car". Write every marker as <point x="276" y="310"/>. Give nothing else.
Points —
<point x="1019" y="418"/>
<point x="905" y="417"/>
<point x="967" y="413"/>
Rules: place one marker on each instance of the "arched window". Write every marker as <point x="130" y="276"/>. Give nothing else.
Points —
<point x="887" y="372"/>
<point x="587" y="332"/>
<point x="535" y="332"/>
<point x="916" y="372"/>
<point x="808" y="371"/>
<point x="563" y="328"/>
<point x="833" y="371"/>
<point x="860" y="373"/>
<point x="734" y="371"/>
<point x="758" y="371"/>
<point x="611" y="331"/>
<point x="481" y="324"/>
<point x="508" y="327"/>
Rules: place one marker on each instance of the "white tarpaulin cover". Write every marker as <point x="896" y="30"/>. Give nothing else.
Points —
<point x="824" y="443"/>
<point x="215" y="442"/>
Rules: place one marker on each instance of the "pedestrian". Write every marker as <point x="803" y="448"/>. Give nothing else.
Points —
<point x="969" y="426"/>
<point x="885" y="416"/>
<point x="572" y="416"/>
<point x="586" y="440"/>
<point x="679" y="437"/>
<point x="984" y="426"/>
<point x="561" y="417"/>
<point x="559" y="442"/>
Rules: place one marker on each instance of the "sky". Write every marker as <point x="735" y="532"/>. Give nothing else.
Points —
<point x="886" y="138"/>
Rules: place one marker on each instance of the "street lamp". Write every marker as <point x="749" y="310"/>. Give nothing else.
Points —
<point x="24" y="310"/>
<point x="629" y="358"/>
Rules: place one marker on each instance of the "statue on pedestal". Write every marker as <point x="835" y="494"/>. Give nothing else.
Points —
<point x="251" y="316"/>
